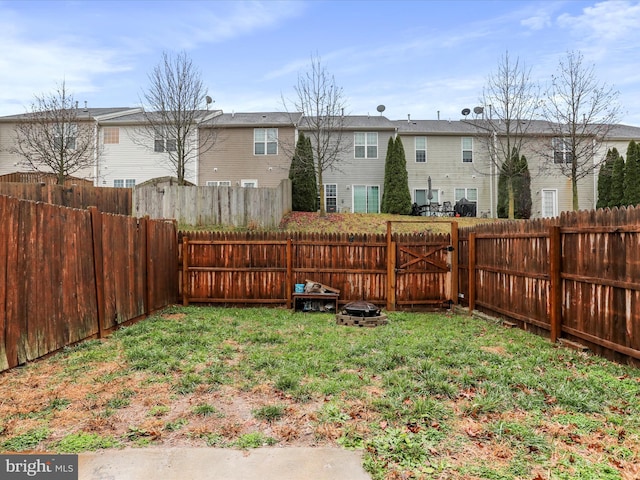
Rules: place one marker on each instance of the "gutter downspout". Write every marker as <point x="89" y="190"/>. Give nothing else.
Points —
<point x="96" y="156"/>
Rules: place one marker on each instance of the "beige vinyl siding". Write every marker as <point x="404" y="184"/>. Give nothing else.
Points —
<point x="232" y="158"/>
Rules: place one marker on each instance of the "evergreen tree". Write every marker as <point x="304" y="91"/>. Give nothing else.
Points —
<point x="605" y="178"/>
<point x="522" y="190"/>
<point x="396" y="197"/>
<point x="515" y="173"/>
<point x="304" y="190"/>
<point x="616" y="197"/>
<point x="503" y="194"/>
<point x="631" y="181"/>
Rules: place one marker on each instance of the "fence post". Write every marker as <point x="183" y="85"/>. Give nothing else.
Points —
<point x="391" y="271"/>
<point x="454" y="262"/>
<point x="472" y="272"/>
<point x="185" y="271"/>
<point x="555" y="281"/>
<point x="144" y="221"/>
<point x="98" y="253"/>
<point x="289" y="282"/>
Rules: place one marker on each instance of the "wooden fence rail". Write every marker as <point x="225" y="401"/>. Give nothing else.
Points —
<point x="108" y="200"/>
<point x="262" y="268"/>
<point x="197" y="206"/>
<point x="575" y="277"/>
<point x="67" y="275"/>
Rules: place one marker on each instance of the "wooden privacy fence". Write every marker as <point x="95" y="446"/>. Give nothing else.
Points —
<point x="67" y="275"/>
<point x="108" y="200"/>
<point x="237" y="206"/>
<point x="575" y="277"/>
<point x="262" y="268"/>
<point x="43" y="177"/>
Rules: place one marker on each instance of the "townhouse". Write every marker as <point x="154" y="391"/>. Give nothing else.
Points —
<point x="247" y="149"/>
<point x="446" y="160"/>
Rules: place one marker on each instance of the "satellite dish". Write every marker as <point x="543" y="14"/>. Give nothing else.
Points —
<point x="208" y="99"/>
<point x="466" y="111"/>
<point x="478" y="110"/>
<point x="381" y="108"/>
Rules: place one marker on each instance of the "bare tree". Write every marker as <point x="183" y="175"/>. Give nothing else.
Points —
<point x="54" y="137"/>
<point x="174" y="104"/>
<point x="322" y="104"/>
<point x="513" y="100"/>
<point x="581" y="112"/>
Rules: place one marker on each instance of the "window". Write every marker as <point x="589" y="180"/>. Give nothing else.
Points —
<point x="164" y="144"/>
<point x="265" y="141"/>
<point x="366" y="199"/>
<point x="218" y="183"/>
<point x="111" y="135"/>
<point x="421" y="149"/>
<point x="124" y="183"/>
<point x="549" y="203"/>
<point x="562" y="151"/>
<point x="366" y="144"/>
<point x="64" y="136"/>
<point x="249" y="183"/>
<point x="421" y="196"/>
<point x="470" y="194"/>
<point x="331" y="197"/>
<point x="467" y="149"/>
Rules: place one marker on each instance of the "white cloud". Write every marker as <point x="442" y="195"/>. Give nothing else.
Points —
<point x="610" y="21"/>
<point x="537" y="22"/>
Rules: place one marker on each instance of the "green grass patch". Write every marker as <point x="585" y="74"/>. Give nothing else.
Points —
<point x="26" y="441"/>
<point x="82" y="442"/>
<point x="270" y="413"/>
<point x="254" y="440"/>
<point x="420" y="396"/>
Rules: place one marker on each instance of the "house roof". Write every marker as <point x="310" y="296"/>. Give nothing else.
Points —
<point x="355" y="122"/>
<point x="441" y="127"/>
<point x="83" y="113"/>
<point x="255" y="119"/>
<point x="138" y="117"/>
<point x="473" y="127"/>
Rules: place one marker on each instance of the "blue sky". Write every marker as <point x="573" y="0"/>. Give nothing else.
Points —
<point x="417" y="58"/>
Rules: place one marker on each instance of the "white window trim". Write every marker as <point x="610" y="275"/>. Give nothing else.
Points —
<point x="266" y="141"/>
<point x="366" y="186"/>
<point x="435" y="192"/>
<point x="218" y="183"/>
<point x="333" y="196"/>
<point x="466" y="193"/>
<point x="125" y="181"/>
<point x="416" y="150"/>
<point x="464" y="149"/>
<point x="366" y="146"/>
<point x="565" y="150"/>
<point x="245" y="182"/>
<point x="555" y="203"/>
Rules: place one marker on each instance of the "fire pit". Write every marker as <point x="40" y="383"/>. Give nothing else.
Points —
<point x="361" y="314"/>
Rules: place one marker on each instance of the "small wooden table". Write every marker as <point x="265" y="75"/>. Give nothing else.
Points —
<point x="315" y="302"/>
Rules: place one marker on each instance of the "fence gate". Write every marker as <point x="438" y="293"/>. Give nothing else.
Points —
<point x="422" y="272"/>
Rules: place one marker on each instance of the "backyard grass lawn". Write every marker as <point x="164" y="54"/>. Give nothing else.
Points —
<point x="426" y="396"/>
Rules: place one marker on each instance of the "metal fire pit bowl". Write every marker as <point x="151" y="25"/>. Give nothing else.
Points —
<point x="361" y="309"/>
<point x="361" y="314"/>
